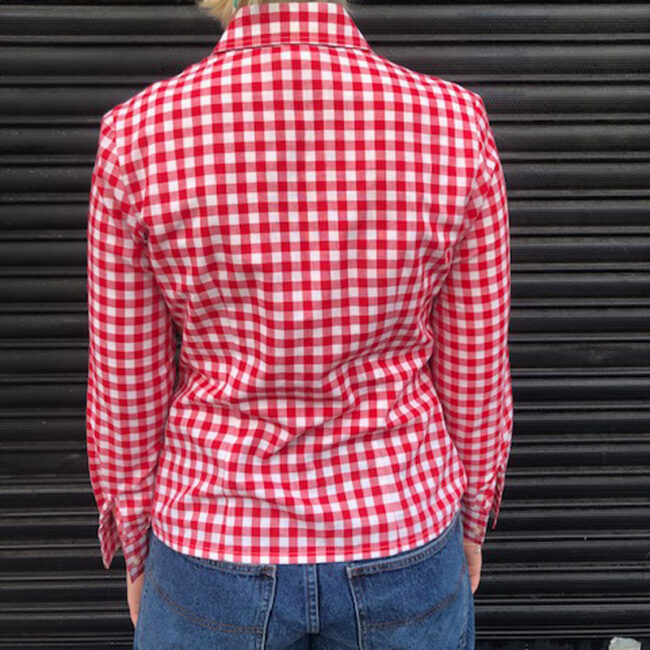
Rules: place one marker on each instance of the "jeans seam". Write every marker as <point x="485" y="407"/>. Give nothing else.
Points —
<point x="269" y="606"/>
<point x="226" y="567"/>
<point x="356" y="607"/>
<point x="463" y="639"/>
<point x="314" y="613"/>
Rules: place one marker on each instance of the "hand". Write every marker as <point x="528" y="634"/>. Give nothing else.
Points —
<point x="133" y="595"/>
<point x="473" y="553"/>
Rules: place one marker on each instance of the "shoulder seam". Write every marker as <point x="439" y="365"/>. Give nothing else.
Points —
<point x="109" y="119"/>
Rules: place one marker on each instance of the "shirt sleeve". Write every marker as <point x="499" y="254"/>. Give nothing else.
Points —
<point x="470" y="362"/>
<point x="131" y="363"/>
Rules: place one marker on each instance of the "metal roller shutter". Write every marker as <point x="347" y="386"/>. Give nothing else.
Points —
<point x="566" y="88"/>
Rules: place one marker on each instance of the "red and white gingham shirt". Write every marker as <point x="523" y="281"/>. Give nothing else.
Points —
<point x="329" y="232"/>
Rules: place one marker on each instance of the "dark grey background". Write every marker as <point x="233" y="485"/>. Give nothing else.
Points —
<point x="566" y="89"/>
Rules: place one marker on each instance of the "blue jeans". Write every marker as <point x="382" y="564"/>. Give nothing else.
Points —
<point x="414" y="600"/>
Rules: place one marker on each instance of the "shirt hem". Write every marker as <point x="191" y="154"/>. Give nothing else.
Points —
<point x="373" y="553"/>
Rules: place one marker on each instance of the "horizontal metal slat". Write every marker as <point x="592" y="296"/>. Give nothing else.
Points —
<point x="184" y="21"/>
<point x="559" y="100"/>
<point x="577" y="137"/>
<point x="505" y="59"/>
<point x="548" y="250"/>
<point x="15" y="328"/>
<point x="553" y="217"/>
<point x="39" y="591"/>
<point x="525" y="175"/>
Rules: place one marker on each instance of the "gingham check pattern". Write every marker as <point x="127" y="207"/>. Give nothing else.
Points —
<point x="329" y="232"/>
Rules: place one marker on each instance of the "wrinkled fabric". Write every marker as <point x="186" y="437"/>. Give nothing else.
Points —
<point x="328" y="232"/>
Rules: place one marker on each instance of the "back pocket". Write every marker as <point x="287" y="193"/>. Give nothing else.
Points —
<point x="415" y="599"/>
<point x="193" y="602"/>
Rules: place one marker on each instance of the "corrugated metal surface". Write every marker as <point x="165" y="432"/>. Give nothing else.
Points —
<point x="566" y="87"/>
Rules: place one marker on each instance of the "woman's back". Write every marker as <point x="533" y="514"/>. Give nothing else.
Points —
<point x="329" y="232"/>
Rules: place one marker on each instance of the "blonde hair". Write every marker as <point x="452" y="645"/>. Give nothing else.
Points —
<point x="224" y="11"/>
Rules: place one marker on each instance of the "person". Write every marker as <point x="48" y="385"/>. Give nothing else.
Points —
<point x="328" y="233"/>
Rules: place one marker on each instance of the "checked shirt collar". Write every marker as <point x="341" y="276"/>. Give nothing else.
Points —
<point x="325" y="23"/>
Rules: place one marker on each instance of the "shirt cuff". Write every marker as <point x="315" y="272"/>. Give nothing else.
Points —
<point x="498" y="495"/>
<point x="474" y="525"/>
<point x="475" y="521"/>
<point x="134" y="546"/>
